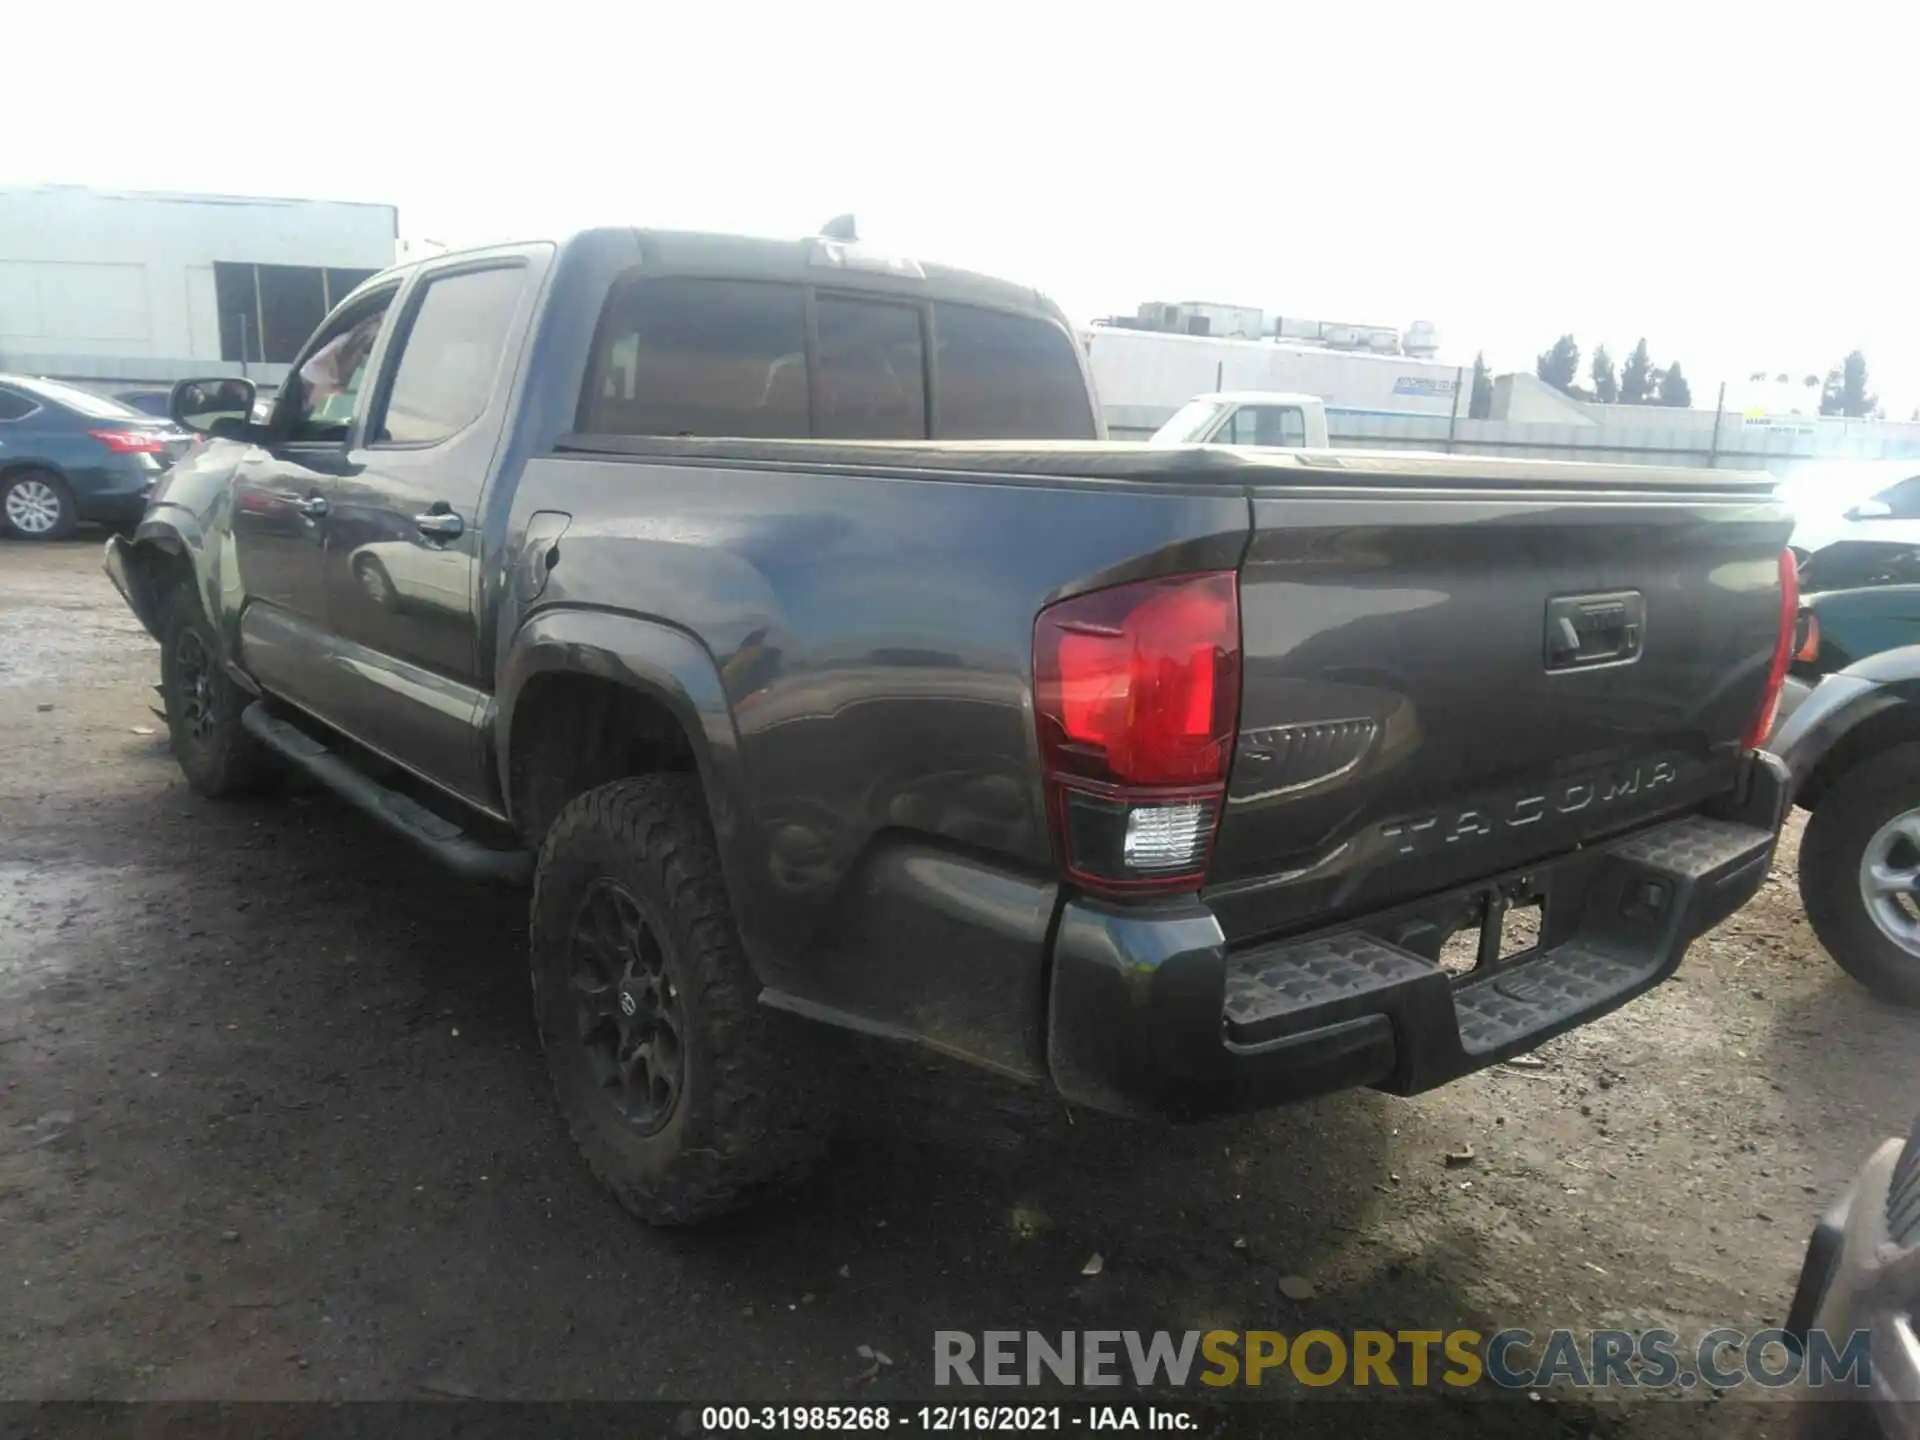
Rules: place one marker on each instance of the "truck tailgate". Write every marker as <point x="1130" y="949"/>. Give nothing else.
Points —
<point x="1447" y="678"/>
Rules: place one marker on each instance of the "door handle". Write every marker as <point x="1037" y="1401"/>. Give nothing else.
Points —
<point x="439" y="524"/>
<point x="1594" y="629"/>
<point x="313" y="507"/>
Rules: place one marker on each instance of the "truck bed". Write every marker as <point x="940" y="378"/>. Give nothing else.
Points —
<point x="1404" y="727"/>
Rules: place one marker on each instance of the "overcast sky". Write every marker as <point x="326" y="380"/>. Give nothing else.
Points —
<point x="1736" y="182"/>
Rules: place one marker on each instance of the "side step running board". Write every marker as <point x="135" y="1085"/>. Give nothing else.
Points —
<point x="439" y="837"/>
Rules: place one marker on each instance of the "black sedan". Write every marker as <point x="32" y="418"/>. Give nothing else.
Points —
<point x="69" y="455"/>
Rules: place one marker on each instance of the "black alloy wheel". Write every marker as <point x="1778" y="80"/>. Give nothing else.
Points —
<point x="631" y="1023"/>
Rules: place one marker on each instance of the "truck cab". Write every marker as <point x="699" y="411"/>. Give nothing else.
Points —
<point x="1274" y="419"/>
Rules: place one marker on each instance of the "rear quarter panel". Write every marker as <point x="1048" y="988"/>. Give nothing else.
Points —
<point x="872" y="637"/>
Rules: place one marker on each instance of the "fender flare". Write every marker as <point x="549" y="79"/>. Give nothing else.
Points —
<point x="665" y="664"/>
<point x="659" y="661"/>
<point x="1840" y="704"/>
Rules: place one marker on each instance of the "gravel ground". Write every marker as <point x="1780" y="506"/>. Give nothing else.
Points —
<point x="273" y="1125"/>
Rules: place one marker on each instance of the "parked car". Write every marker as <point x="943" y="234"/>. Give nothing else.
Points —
<point x="1248" y="417"/>
<point x="1862" y="1273"/>
<point x="825" y="668"/>
<point x="1870" y="501"/>
<point x="1839" y="628"/>
<point x="1849" y="733"/>
<point x="1860" y="564"/>
<point x="69" y="455"/>
<point x="1851" y="744"/>
<point x="154" y="402"/>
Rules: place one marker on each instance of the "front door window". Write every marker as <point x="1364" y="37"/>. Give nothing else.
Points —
<point x="322" y="395"/>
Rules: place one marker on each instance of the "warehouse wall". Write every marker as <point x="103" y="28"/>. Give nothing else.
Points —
<point x="121" y="285"/>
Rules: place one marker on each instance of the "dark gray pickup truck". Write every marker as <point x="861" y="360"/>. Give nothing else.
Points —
<point x="780" y="611"/>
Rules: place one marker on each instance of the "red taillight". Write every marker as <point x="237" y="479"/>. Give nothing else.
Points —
<point x="1782" y="651"/>
<point x="1137" y="698"/>
<point x="129" y="442"/>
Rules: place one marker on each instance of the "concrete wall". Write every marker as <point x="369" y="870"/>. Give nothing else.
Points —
<point x="1624" y="434"/>
<point x="119" y="285"/>
<point x="1662" y="437"/>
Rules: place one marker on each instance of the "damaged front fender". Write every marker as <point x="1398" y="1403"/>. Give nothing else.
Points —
<point x="182" y="543"/>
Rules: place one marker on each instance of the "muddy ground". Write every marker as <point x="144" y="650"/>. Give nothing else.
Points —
<point x="273" y="1125"/>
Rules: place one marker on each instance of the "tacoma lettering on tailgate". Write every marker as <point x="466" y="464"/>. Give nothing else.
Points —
<point x="1437" y="829"/>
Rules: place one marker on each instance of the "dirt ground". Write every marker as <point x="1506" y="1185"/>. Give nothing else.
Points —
<point x="273" y="1124"/>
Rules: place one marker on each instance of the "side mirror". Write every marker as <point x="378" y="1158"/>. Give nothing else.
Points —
<point x="1870" y="510"/>
<point x="220" y="406"/>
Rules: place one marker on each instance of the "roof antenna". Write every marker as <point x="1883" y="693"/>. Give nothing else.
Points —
<point x="840" y="227"/>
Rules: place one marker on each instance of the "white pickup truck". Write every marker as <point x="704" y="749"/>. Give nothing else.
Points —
<point x="1248" y="417"/>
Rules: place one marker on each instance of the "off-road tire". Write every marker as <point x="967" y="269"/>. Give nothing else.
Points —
<point x="754" y="1107"/>
<point x="1851" y="812"/>
<point x="219" y="757"/>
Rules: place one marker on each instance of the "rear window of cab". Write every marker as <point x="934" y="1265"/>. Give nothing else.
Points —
<point x="730" y="358"/>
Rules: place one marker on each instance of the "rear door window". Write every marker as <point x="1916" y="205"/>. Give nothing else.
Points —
<point x="871" y="381"/>
<point x="1006" y="377"/>
<point x="700" y="357"/>
<point x="15" y="406"/>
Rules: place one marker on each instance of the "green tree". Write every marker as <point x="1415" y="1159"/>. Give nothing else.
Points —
<point x="1606" y="386"/>
<point x="1637" y="380"/>
<point x="1480" y="405"/>
<point x="1674" y="389"/>
<point x="1559" y="365"/>
<point x="1845" y="392"/>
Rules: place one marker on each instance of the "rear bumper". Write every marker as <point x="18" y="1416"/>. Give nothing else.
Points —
<point x="1150" y="1011"/>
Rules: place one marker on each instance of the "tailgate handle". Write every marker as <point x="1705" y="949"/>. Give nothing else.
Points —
<point x="1587" y="630"/>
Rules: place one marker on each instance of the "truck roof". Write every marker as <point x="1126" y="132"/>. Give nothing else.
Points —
<point x="715" y="255"/>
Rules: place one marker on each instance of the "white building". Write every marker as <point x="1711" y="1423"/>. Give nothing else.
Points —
<point x="128" y="286"/>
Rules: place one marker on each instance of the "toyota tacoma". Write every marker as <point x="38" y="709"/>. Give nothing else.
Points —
<point x="780" y="612"/>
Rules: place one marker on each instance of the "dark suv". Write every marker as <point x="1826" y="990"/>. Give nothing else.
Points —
<point x="1849" y="732"/>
